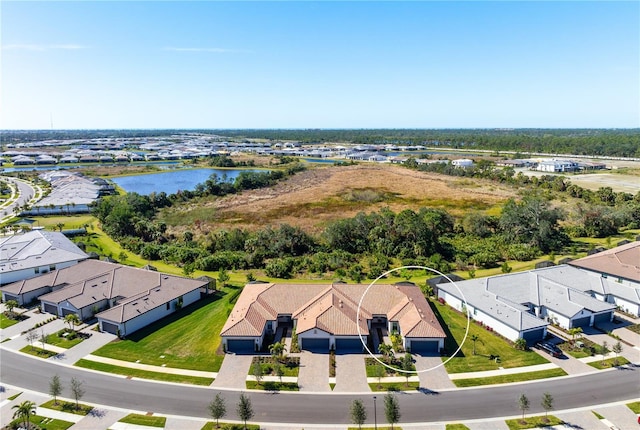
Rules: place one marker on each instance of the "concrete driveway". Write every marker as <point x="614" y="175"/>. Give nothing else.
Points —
<point x="233" y="372"/>
<point x="434" y="379"/>
<point x="351" y="374"/>
<point x="314" y="372"/>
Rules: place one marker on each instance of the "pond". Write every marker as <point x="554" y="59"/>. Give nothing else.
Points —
<point x="171" y="181"/>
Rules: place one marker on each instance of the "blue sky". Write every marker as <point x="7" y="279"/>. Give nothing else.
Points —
<point x="208" y="64"/>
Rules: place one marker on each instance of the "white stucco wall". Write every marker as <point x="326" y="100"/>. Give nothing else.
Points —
<point x="561" y="320"/>
<point x="627" y="306"/>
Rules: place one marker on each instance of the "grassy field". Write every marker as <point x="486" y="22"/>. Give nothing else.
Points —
<point x="533" y="422"/>
<point x="144" y="374"/>
<point x="144" y="420"/>
<point x="187" y="339"/>
<point x="488" y="344"/>
<point x="68" y="407"/>
<point x="456" y="426"/>
<point x="505" y="379"/>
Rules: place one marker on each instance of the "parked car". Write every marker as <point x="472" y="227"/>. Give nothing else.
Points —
<point x="549" y="348"/>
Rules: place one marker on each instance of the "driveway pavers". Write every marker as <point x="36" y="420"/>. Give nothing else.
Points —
<point x="84" y="348"/>
<point x="584" y="419"/>
<point x="569" y="364"/>
<point x="620" y="415"/>
<point x="351" y="374"/>
<point x="488" y="425"/>
<point x="314" y="372"/>
<point x="183" y="423"/>
<point x="435" y="379"/>
<point x="233" y="372"/>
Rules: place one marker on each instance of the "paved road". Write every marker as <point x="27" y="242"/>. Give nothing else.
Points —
<point x="462" y="404"/>
<point x="26" y="192"/>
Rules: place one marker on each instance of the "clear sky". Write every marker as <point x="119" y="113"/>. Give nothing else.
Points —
<point x="209" y="64"/>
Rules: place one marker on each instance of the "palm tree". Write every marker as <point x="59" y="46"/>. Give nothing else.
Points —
<point x="24" y="410"/>
<point x="386" y="350"/>
<point x="277" y="350"/>
<point x="72" y="320"/>
<point x="575" y="331"/>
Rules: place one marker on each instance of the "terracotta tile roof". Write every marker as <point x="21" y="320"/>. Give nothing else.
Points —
<point x="622" y="261"/>
<point x="332" y="309"/>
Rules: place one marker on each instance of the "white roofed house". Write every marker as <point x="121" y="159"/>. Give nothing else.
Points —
<point x="123" y="299"/>
<point x="30" y="254"/>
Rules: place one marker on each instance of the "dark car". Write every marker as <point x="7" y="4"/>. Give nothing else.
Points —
<point x="550" y="348"/>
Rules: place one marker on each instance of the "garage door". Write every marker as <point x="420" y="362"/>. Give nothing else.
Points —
<point x="109" y="327"/>
<point x="581" y="322"/>
<point x="66" y="312"/>
<point x="52" y="309"/>
<point x="315" y="345"/>
<point x="427" y="347"/>
<point x="8" y="297"/>
<point x="602" y="318"/>
<point x="533" y="336"/>
<point x="349" y="345"/>
<point x="241" y="346"/>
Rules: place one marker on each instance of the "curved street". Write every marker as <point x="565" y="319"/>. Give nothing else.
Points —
<point x="460" y="404"/>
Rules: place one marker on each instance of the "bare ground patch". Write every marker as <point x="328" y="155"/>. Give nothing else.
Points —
<point x="312" y="198"/>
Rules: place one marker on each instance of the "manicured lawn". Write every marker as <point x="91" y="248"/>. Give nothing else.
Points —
<point x="608" y="363"/>
<point x="211" y="425"/>
<point x="533" y="422"/>
<point x="456" y="426"/>
<point x="144" y="420"/>
<point x="57" y="339"/>
<point x="598" y="416"/>
<point x="587" y="351"/>
<point x="45" y="423"/>
<point x="187" y="339"/>
<point x="489" y="344"/>
<point x="291" y="366"/>
<point x="635" y="407"/>
<point x="272" y="386"/>
<point x="504" y="379"/>
<point x="68" y="407"/>
<point x="137" y="373"/>
<point x="38" y="352"/>
<point x="394" y="386"/>
<point x="372" y="365"/>
<point x="6" y="322"/>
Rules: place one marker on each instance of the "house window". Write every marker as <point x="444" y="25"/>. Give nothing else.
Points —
<point x="52" y="267"/>
<point x="36" y="270"/>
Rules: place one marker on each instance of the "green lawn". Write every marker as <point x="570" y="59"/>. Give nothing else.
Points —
<point x="187" y="339"/>
<point x="145" y="374"/>
<point x="456" y="426"/>
<point x="38" y="352"/>
<point x="504" y="379"/>
<point x="289" y="368"/>
<point x="228" y="426"/>
<point x="394" y="386"/>
<point x="6" y="322"/>
<point x="63" y="342"/>
<point x="144" y="420"/>
<point x="608" y="363"/>
<point x="635" y="407"/>
<point x="68" y="407"/>
<point x="272" y="386"/>
<point x="45" y="423"/>
<point x="533" y="422"/>
<point x="489" y="344"/>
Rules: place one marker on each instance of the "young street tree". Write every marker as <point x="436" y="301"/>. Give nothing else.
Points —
<point x="604" y="350"/>
<point x="407" y="366"/>
<point x="617" y="349"/>
<point x="217" y="408"/>
<point x="245" y="410"/>
<point x="358" y="413"/>
<point x="523" y="404"/>
<point x="31" y="337"/>
<point x="24" y="410"/>
<point x="474" y="338"/>
<point x="77" y="391"/>
<point x="256" y="369"/>
<point x="391" y="409"/>
<point x="378" y="372"/>
<point x="547" y="403"/>
<point x="55" y="388"/>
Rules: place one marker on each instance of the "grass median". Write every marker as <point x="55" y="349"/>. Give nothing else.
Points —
<point x="144" y="420"/>
<point x="144" y="374"/>
<point x="505" y="379"/>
